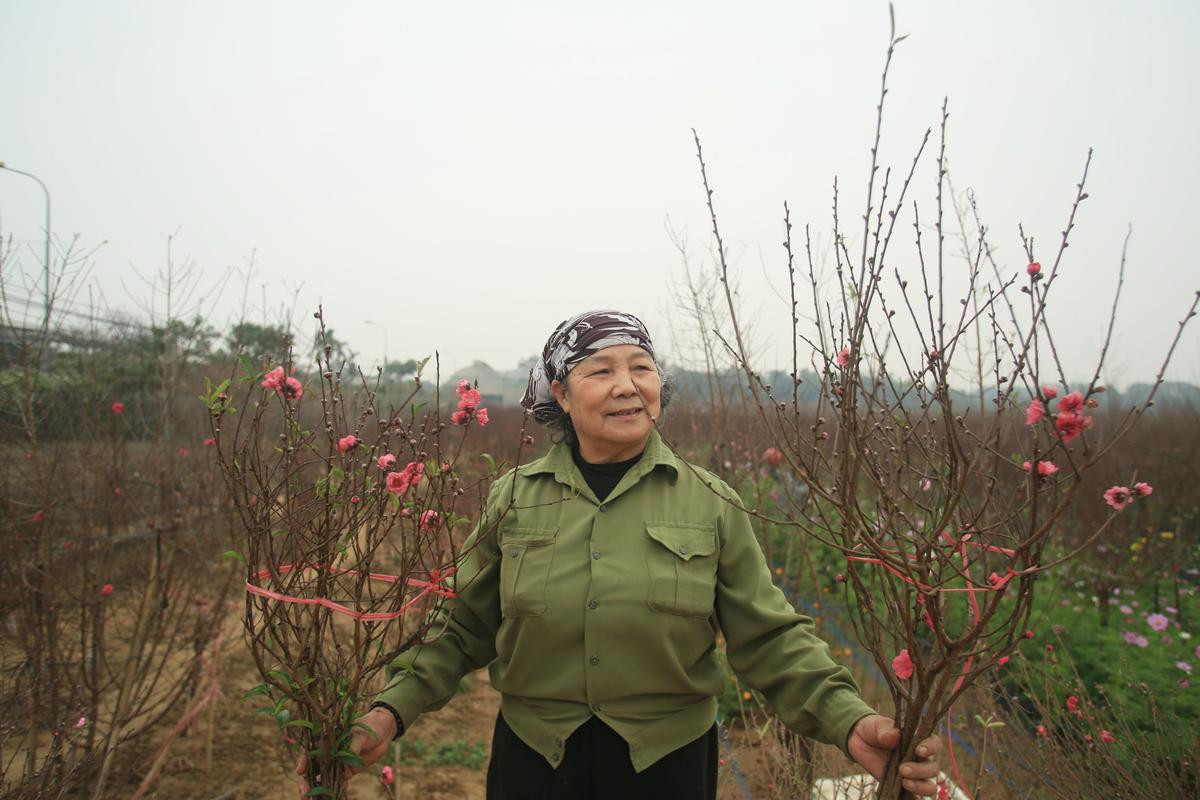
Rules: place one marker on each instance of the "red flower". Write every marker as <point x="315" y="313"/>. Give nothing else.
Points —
<point x="1028" y="634"/>
<point x="118" y="407"/>
<point x="1071" y="404"/>
<point x="386" y="776"/>
<point x="1118" y="497"/>
<point x="772" y="456"/>
<point x="1035" y="412"/>
<point x="346" y="442"/>
<point x="353" y="498"/>
<point x="1071" y="425"/>
<point x="1034" y="268"/>
<point x="1002" y="660"/>
<point x="902" y="665"/>
<point x="39" y="516"/>
<point x="106" y="589"/>
<point x="1041" y="729"/>
<point x="1143" y="489"/>
<point x="209" y="442"/>
<point x="1107" y="737"/>
<point x="1072" y="703"/>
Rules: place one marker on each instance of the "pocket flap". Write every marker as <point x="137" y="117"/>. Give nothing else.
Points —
<point x="531" y="536"/>
<point x="685" y="542"/>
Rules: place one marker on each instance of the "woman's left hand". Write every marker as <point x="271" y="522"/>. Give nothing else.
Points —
<point x="871" y="742"/>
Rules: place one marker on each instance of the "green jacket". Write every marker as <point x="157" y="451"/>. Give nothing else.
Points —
<point x="580" y="608"/>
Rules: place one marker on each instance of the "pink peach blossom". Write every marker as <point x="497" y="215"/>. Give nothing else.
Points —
<point x="1046" y="468"/>
<point x="429" y="520"/>
<point x="209" y="442"/>
<point x="386" y="776"/>
<point x="843" y="357"/>
<point x="1071" y="404"/>
<point x="273" y="379"/>
<point x="460" y="417"/>
<point x="106" y="589"/>
<point x="902" y="665"/>
<point x="291" y="389"/>
<point x="39" y="516"/>
<point x="1035" y="412"/>
<point x="118" y="407"/>
<point x="346" y="442"/>
<point x="1049" y="392"/>
<point x="1034" y="268"/>
<point x="1107" y="737"/>
<point x="1143" y="489"/>
<point x="386" y="461"/>
<point x="773" y="456"/>
<point x="1072" y="703"/>
<point x="481" y="416"/>
<point x="1070" y="425"/>
<point x="1118" y="497"/>
<point x="183" y="452"/>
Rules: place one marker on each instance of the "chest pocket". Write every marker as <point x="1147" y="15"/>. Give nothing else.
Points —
<point x="526" y="556"/>
<point x="682" y="562"/>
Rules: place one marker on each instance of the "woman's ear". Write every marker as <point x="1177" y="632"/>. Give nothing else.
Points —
<point x="560" y="394"/>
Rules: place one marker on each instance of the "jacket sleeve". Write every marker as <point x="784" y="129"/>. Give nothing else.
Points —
<point x="775" y="649"/>
<point x="426" y="677"/>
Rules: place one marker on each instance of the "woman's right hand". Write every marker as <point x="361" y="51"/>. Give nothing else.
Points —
<point x="373" y="732"/>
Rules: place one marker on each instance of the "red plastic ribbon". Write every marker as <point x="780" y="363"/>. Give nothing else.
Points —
<point x="432" y="586"/>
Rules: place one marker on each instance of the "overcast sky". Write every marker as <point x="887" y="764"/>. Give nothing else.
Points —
<point x="468" y="174"/>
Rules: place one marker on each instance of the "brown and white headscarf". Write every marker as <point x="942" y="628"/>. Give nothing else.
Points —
<point x="572" y="341"/>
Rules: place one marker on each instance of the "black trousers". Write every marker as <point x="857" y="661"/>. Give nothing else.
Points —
<point x="596" y="766"/>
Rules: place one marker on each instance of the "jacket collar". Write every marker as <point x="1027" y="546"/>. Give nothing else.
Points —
<point x="559" y="463"/>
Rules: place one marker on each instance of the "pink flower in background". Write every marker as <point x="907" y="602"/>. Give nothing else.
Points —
<point x="1002" y="660"/>
<point x="1183" y="665"/>
<point x="118" y="407"/>
<point x="1046" y="469"/>
<point x="926" y="484"/>
<point x="1072" y="704"/>
<point x="386" y="776"/>
<point x="1197" y="651"/>
<point x="902" y="665"/>
<point x="1157" y="622"/>
<point x="773" y="456"/>
<point x="429" y="520"/>
<point x="209" y="442"/>
<point x="843" y="357"/>
<point x="1140" y="641"/>
<point x="292" y="389"/>
<point x="354" y="498"/>
<point x="1125" y="609"/>
<point x="1035" y="412"/>
<point x="1143" y="489"/>
<point x="273" y="379"/>
<point x="28" y="456"/>
<point x="183" y="452"/>
<point x="1041" y="729"/>
<point x="1034" y="268"/>
<point x="1049" y="392"/>
<point x="39" y="516"/>
<point x="386" y="461"/>
<point x="346" y="442"/>
<point x="1107" y="737"/>
<point x="460" y="417"/>
<point x="106" y="589"/>
<point x="462" y="386"/>
<point x="116" y="491"/>
<point x="481" y="416"/>
<point x="80" y="723"/>
<point x="1071" y="404"/>
<point x="1118" y="497"/>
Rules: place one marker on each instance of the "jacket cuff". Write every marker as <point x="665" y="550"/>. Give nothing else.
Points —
<point x="401" y="697"/>
<point x="841" y="714"/>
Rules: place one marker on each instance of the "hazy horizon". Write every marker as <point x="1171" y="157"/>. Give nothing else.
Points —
<point x="468" y="176"/>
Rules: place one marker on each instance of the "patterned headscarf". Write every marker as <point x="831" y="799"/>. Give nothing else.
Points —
<point x="572" y="341"/>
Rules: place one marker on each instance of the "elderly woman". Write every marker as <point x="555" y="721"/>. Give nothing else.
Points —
<point x="594" y="589"/>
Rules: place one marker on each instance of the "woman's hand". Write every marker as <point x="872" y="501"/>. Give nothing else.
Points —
<point x="871" y="742"/>
<point x="370" y="743"/>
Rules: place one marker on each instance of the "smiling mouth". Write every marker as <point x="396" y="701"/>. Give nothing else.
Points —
<point x="629" y="412"/>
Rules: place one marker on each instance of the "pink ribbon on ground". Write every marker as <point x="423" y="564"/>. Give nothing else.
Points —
<point x="432" y="586"/>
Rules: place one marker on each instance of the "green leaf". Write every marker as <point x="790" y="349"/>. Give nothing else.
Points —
<point x="301" y="723"/>
<point x="235" y="554"/>
<point x="349" y="757"/>
<point x="281" y="676"/>
<point x="319" y="791"/>
<point x="262" y="688"/>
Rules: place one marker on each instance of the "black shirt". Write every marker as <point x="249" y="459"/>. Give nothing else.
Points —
<point x="603" y="478"/>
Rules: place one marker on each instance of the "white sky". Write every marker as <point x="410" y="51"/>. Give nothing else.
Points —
<point x="471" y="173"/>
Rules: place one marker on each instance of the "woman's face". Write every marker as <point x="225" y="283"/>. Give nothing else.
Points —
<point x="612" y="397"/>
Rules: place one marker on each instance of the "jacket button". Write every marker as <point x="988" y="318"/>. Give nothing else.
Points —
<point x="683" y="549"/>
<point x="596" y="554"/>
<point x="592" y="604"/>
<point x="514" y="553"/>
<point x="603" y="507"/>
<point x="596" y="708"/>
<point x="594" y="660"/>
